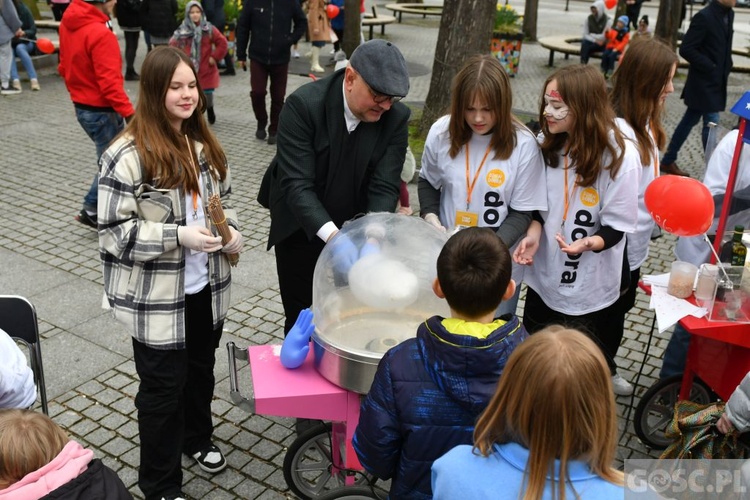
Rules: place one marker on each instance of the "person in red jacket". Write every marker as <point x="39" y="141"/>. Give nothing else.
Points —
<point x="617" y="40"/>
<point x="205" y="45"/>
<point x="91" y="65"/>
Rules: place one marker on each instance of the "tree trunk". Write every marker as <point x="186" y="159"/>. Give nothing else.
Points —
<point x="530" y="17"/>
<point x="669" y="20"/>
<point x="465" y="30"/>
<point x="351" y="26"/>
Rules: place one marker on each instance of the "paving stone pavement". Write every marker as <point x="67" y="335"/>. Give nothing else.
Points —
<point x="47" y="166"/>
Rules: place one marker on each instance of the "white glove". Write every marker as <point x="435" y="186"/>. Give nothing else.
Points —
<point x="198" y="238"/>
<point x="435" y="221"/>
<point x="235" y="244"/>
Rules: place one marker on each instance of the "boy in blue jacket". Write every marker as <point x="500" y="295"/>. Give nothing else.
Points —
<point x="429" y="390"/>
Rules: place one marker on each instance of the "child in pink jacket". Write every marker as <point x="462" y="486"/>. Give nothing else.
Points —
<point x="37" y="458"/>
<point x="205" y="45"/>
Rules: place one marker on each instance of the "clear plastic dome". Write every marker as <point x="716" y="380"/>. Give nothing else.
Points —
<point x="363" y="310"/>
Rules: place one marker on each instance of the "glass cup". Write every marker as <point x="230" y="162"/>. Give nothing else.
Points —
<point x="681" y="279"/>
<point x="705" y="288"/>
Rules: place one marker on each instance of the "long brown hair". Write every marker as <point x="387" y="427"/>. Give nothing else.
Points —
<point x="637" y="86"/>
<point x="482" y="77"/>
<point x="163" y="150"/>
<point x="555" y="399"/>
<point x="584" y="91"/>
<point x="28" y="441"/>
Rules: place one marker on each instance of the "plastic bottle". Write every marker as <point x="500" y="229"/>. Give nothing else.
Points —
<point x="733" y="252"/>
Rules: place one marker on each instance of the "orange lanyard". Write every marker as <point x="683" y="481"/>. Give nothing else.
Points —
<point x="566" y="198"/>
<point x="470" y="186"/>
<point x="198" y="173"/>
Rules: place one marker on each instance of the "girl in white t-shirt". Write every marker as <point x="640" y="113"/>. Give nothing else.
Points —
<point x="640" y="87"/>
<point x="577" y="245"/>
<point x="481" y="166"/>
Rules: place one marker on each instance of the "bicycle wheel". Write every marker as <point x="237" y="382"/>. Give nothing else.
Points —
<point x="656" y="409"/>
<point x="308" y="464"/>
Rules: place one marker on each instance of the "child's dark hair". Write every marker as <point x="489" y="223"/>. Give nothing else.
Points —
<point x="474" y="269"/>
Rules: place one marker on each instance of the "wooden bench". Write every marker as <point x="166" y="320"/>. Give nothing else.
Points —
<point x="571" y="45"/>
<point x="425" y="9"/>
<point x="374" y="19"/>
<point x="47" y="24"/>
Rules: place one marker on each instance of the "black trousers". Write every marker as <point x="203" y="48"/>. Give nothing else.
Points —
<point x="598" y="325"/>
<point x="174" y="399"/>
<point x="131" y="47"/>
<point x="296" y="257"/>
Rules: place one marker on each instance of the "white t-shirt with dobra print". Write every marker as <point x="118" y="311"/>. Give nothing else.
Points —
<point x="518" y="181"/>
<point x="590" y="281"/>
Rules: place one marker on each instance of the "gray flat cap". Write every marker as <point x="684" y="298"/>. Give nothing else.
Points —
<point x="382" y="66"/>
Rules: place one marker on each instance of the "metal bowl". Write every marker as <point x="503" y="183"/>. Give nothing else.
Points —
<point x="349" y="352"/>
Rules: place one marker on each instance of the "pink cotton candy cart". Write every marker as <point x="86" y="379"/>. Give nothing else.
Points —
<point x="359" y="314"/>
<point x="321" y="462"/>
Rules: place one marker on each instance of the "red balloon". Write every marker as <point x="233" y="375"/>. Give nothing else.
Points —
<point x="680" y="205"/>
<point x="332" y="10"/>
<point x="610" y="4"/>
<point x="45" y="45"/>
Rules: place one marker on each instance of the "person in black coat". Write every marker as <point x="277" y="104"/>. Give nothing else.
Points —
<point x="214" y="10"/>
<point x="271" y="27"/>
<point x="128" y="17"/>
<point x="334" y="163"/>
<point x="707" y="46"/>
<point x="158" y="19"/>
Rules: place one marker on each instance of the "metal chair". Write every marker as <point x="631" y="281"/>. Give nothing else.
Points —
<point x="18" y="319"/>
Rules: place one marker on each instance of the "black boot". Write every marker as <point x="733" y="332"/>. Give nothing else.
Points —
<point x="211" y="116"/>
<point x="131" y="75"/>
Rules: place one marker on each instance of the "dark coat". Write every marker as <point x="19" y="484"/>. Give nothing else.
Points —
<point x="214" y="10"/>
<point x="707" y="46"/>
<point x="425" y="399"/>
<point x="27" y="23"/>
<point x="296" y="183"/>
<point x="97" y="482"/>
<point x="276" y="25"/>
<point x="128" y="13"/>
<point x="158" y="17"/>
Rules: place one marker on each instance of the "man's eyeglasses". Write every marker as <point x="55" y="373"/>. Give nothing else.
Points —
<point x="381" y="98"/>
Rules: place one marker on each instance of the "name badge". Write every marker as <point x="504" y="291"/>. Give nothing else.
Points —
<point x="467" y="219"/>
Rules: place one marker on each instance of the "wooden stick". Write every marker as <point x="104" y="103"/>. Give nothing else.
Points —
<point x="218" y="219"/>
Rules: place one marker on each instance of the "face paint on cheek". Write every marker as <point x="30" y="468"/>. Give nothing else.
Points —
<point x="556" y="113"/>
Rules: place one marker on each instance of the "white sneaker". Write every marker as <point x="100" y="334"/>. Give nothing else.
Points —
<point x="16" y="84"/>
<point x="295" y="54"/>
<point x="621" y="386"/>
<point x="9" y="91"/>
<point x="35" y="84"/>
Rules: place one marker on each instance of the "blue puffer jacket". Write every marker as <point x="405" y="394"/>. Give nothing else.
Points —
<point x="425" y="399"/>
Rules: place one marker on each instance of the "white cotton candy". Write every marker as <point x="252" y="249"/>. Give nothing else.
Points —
<point x="383" y="283"/>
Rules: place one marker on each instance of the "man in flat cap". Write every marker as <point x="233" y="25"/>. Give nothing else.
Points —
<point x="341" y="147"/>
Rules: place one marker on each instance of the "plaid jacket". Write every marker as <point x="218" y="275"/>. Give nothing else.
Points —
<point x="144" y="267"/>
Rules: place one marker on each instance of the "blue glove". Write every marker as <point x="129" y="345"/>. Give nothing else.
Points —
<point x="369" y="248"/>
<point x="345" y="253"/>
<point x="297" y="342"/>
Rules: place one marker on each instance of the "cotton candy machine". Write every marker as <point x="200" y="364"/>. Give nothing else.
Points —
<point x="363" y="310"/>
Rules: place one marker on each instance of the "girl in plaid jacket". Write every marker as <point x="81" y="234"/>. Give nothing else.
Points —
<point x="166" y="273"/>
